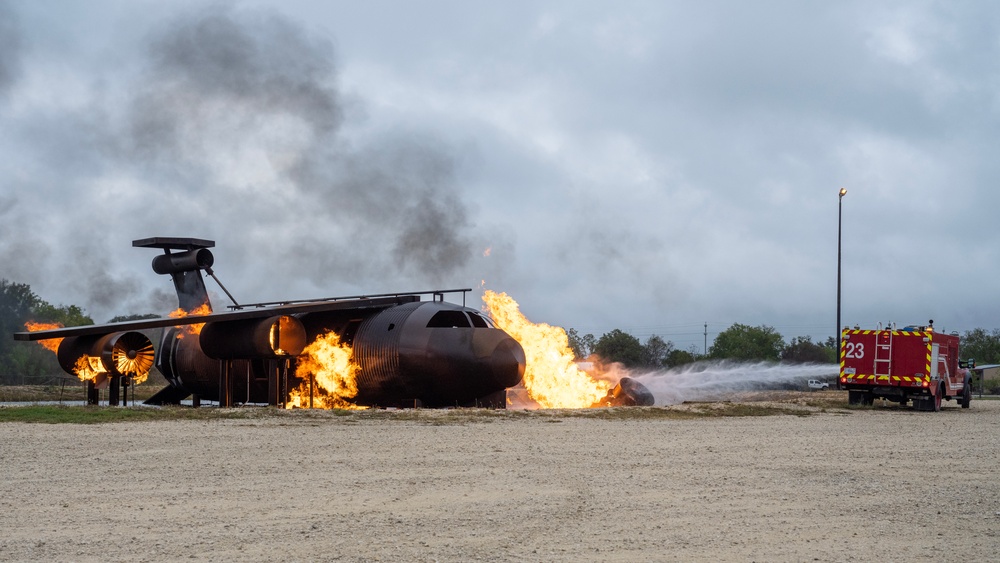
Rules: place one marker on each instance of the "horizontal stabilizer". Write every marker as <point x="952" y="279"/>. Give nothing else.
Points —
<point x="169" y="395"/>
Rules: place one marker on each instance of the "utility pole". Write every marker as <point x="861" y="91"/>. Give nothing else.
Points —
<point x="840" y="214"/>
<point x="705" y="348"/>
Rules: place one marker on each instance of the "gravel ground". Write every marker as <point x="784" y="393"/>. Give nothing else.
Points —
<point x="854" y="485"/>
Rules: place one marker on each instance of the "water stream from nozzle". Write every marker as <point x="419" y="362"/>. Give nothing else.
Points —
<point x="720" y="381"/>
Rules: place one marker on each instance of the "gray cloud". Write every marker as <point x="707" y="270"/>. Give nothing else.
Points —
<point x="642" y="166"/>
<point x="250" y="66"/>
<point x="10" y="49"/>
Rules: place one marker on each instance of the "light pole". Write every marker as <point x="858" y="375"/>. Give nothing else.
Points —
<point x="840" y="215"/>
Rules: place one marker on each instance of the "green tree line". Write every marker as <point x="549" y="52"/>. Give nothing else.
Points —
<point x="27" y="362"/>
<point x="738" y="342"/>
<point x="746" y="343"/>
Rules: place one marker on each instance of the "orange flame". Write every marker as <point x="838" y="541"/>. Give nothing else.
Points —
<point x="203" y="309"/>
<point x="51" y="344"/>
<point x="551" y="376"/>
<point x="334" y="372"/>
<point x="89" y="368"/>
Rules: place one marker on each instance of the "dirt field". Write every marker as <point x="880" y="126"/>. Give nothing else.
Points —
<point x="845" y="485"/>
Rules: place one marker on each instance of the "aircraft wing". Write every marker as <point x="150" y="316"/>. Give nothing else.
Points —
<point x="252" y="313"/>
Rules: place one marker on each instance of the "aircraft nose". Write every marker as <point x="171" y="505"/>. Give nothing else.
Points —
<point x="507" y="362"/>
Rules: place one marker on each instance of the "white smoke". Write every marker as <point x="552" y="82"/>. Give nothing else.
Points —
<point x="716" y="381"/>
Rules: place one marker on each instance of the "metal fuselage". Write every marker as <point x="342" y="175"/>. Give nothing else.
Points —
<point x="415" y="353"/>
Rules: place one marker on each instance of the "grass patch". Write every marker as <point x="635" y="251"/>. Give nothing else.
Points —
<point x="801" y="404"/>
<point x="34" y="393"/>
<point x="749" y="409"/>
<point x="680" y="412"/>
<point x="61" y="414"/>
<point x="826" y="403"/>
<point x="69" y="390"/>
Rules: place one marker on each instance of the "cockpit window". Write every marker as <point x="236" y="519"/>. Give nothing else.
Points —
<point x="480" y="321"/>
<point x="448" y="319"/>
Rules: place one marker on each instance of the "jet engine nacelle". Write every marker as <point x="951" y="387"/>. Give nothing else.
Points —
<point x="116" y="354"/>
<point x="274" y="337"/>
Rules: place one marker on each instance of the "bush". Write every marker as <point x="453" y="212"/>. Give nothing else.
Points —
<point x="992" y="386"/>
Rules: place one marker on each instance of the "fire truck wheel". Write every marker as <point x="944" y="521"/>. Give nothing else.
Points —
<point x="862" y="398"/>
<point x="966" y="396"/>
<point x="937" y="400"/>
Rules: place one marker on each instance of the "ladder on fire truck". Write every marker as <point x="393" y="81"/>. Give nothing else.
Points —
<point x="883" y="352"/>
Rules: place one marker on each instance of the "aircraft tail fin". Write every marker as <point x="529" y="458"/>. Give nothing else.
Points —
<point x="184" y="267"/>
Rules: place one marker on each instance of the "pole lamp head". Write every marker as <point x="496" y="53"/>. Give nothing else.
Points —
<point x="843" y="192"/>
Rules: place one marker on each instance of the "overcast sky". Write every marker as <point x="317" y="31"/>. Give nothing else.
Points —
<point x="649" y="166"/>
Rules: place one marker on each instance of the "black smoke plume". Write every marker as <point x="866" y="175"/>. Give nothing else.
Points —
<point x="221" y="85"/>
<point x="229" y="125"/>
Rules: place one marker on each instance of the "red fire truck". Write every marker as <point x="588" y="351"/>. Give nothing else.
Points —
<point x="913" y="363"/>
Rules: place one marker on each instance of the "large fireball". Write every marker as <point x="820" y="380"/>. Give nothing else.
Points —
<point x="551" y="375"/>
<point x="333" y="371"/>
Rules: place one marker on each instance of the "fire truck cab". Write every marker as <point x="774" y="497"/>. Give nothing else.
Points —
<point x="913" y="363"/>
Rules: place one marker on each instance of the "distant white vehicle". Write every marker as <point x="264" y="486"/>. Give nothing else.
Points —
<point x="817" y="384"/>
